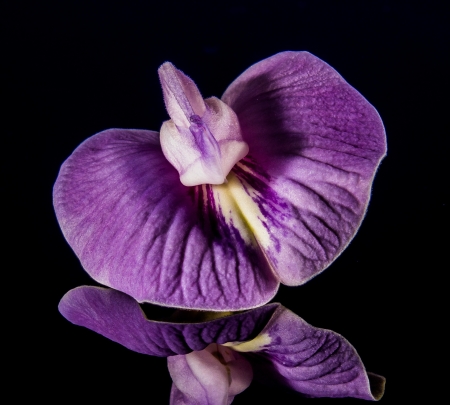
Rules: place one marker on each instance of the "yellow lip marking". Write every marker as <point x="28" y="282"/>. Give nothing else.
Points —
<point x="241" y="210"/>
<point x="253" y="345"/>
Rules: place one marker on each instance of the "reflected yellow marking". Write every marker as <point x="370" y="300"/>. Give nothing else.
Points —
<point x="254" y="345"/>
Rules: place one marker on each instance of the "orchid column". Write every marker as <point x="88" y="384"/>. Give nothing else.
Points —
<point x="202" y="140"/>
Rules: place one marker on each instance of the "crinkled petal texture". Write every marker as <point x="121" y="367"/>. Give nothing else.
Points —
<point x="287" y="211"/>
<point x="119" y="317"/>
<point x="316" y="362"/>
<point x="136" y="228"/>
<point x="315" y="144"/>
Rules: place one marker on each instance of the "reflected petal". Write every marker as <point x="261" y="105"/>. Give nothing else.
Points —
<point x="119" y="317"/>
<point x="316" y="362"/>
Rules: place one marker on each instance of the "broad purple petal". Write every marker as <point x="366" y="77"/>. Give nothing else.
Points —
<point x="136" y="228"/>
<point x="316" y="362"/>
<point x="315" y="144"/>
<point x="119" y="317"/>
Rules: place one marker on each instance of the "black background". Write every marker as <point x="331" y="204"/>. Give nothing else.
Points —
<point x="74" y="68"/>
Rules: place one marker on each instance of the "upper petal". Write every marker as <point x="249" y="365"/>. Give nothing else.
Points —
<point x="137" y="229"/>
<point x="119" y="317"/>
<point x="316" y="362"/>
<point x="315" y="144"/>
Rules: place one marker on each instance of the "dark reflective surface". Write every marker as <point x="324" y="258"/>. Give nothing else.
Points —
<point x="74" y="68"/>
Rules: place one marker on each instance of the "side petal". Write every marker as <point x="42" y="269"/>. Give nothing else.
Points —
<point x="119" y="317"/>
<point x="316" y="362"/>
<point x="137" y="229"/>
<point x="315" y="144"/>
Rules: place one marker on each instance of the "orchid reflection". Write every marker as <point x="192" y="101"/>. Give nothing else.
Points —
<point x="212" y="361"/>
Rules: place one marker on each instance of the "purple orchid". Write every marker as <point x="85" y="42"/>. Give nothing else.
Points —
<point x="211" y="361"/>
<point x="266" y="186"/>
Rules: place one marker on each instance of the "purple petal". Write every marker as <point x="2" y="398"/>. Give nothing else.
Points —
<point x="119" y="317"/>
<point x="315" y="144"/>
<point x="316" y="362"/>
<point x="137" y="229"/>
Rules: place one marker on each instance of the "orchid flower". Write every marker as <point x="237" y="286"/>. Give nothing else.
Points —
<point x="234" y="196"/>
<point x="211" y="361"/>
